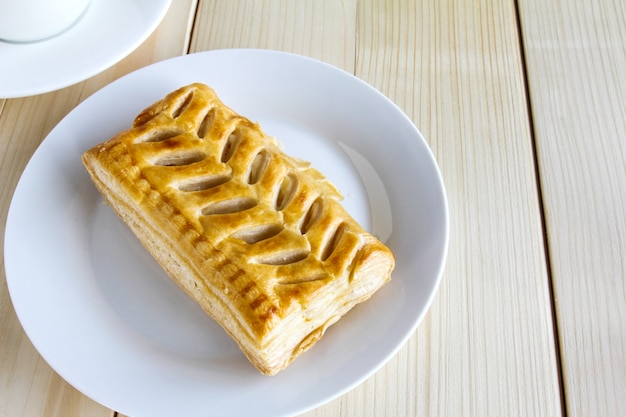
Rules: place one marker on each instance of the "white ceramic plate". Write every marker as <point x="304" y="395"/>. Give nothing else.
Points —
<point x="108" y="320"/>
<point x="107" y="32"/>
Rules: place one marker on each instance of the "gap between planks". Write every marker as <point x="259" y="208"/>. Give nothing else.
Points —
<point x="531" y="124"/>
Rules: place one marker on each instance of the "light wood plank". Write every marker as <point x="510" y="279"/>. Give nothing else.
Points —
<point x="576" y="56"/>
<point x="324" y="30"/>
<point x="28" y="386"/>
<point x="487" y="347"/>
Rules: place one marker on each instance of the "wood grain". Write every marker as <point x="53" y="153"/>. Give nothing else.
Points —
<point x="28" y="386"/>
<point x="324" y="30"/>
<point x="487" y="349"/>
<point x="576" y="57"/>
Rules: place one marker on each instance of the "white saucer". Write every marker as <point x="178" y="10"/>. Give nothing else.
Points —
<point x="108" y="31"/>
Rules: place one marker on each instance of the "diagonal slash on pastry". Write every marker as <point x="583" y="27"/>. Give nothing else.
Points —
<point x="256" y="237"/>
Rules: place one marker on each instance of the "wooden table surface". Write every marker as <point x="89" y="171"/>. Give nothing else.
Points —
<point x="524" y="106"/>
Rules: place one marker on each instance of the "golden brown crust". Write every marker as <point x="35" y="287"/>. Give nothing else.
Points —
<point x="256" y="237"/>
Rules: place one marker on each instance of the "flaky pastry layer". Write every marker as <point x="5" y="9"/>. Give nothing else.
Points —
<point x="258" y="238"/>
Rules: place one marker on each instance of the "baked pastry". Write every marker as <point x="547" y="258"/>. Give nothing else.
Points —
<point x="256" y="237"/>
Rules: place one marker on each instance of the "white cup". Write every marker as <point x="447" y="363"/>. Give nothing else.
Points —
<point x="34" y="20"/>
